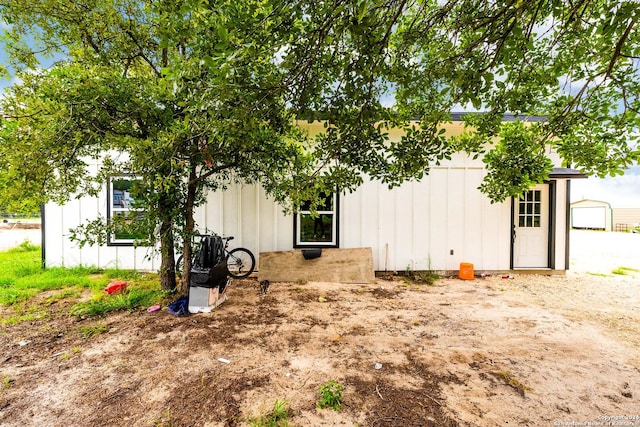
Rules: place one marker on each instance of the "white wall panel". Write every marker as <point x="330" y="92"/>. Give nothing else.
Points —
<point x="71" y="219"/>
<point x="268" y="226"/>
<point x="248" y="217"/>
<point x="475" y="236"/>
<point x="560" y="225"/>
<point x="53" y="236"/>
<point x="456" y="206"/>
<point x="401" y="227"/>
<point x="415" y="225"/>
<point x="437" y="218"/>
<point x="420" y="234"/>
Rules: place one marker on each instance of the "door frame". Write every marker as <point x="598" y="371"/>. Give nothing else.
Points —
<point x="551" y="232"/>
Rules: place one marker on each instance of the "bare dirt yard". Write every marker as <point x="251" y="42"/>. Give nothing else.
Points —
<point x="528" y="351"/>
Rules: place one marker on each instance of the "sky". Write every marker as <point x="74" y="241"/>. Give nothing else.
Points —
<point x="619" y="192"/>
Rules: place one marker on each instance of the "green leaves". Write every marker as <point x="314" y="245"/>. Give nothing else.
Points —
<point x="516" y="163"/>
<point x="199" y="97"/>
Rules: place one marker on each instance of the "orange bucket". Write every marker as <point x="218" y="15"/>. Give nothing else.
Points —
<point x="466" y="271"/>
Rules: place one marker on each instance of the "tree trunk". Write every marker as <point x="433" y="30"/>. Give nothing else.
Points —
<point x="168" y="266"/>
<point x="189" y="227"/>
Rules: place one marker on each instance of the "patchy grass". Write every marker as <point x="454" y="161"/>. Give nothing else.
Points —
<point x="23" y="316"/>
<point x="277" y="417"/>
<point x="129" y="300"/>
<point x="511" y="381"/>
<point x="22" y="278"/>
<point x="97" y="329"/>
<point x="599" y="274"/>
<point x="624" y="270"/>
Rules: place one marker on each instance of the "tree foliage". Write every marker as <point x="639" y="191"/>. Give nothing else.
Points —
<point x="193" y="95"/>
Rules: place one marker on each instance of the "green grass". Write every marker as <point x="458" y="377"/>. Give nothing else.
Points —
<point x="22" y="278"/>
<point x="277" y="417"/>
<point x="624" y="270"/>
<point x="97" y="329"/>
<point x="129" y="300"/>
<point x="599" y="274"/>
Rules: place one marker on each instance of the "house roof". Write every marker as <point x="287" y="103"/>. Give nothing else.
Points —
<point x="507" y="117"/>
<point x="566" y="173"/>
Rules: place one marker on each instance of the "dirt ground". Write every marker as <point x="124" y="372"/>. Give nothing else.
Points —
<point x="527" y="351"/>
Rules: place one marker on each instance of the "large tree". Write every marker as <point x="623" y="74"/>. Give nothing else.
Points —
<point x="202" y="93"/>
<point x="184" y="96"/>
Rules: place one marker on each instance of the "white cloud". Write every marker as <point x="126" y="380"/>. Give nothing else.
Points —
<point x="619" y="192"/>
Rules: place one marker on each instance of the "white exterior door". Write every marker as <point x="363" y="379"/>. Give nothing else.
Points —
<point x="531" y="228"/>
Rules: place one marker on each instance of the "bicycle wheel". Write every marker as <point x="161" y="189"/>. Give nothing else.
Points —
<point x="240" y="262"/>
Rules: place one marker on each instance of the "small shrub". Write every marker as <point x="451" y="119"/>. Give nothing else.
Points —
<point x="330" y="395"/>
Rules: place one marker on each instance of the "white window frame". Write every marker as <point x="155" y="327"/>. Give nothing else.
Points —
<point x="299" y="241"/>
<point x="114" y="209"/>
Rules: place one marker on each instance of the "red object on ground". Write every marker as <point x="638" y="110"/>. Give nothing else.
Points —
<point x="115" y="287"/>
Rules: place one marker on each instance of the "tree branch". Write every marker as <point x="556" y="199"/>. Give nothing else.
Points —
<point x="618" y="49"/>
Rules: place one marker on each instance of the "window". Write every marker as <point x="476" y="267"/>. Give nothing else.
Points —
<point x="121" y="210"/>
<point x="529" y="209"/>
<point x="319" y="231"/>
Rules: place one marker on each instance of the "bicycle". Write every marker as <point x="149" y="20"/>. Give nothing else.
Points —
<point x="240" y="261"/>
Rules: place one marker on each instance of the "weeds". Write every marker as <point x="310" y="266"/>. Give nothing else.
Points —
<point x="21" y="316"/>
<point x="165" y="419"/>
<point x="89" y="331"/>
<point x="277" y="417"/>
<point x="428" y="276"/>
<point x="25" y="246"/>
<point x="509" y="380"/>
<point x="624" y="270"/>
<point x="6" y="382"/>
<point x="598" y="274"/>
<point x="330" y="395"/>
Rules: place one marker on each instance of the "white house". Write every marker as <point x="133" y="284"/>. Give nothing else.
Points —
<point x="434" y="224"/>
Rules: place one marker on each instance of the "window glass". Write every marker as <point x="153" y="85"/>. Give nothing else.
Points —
<point x="320" y="229"/>
<point x="530" y="209"/>
<point x="122" y="212"/>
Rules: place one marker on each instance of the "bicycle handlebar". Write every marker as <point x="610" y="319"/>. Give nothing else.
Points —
<point x="206" y="235"/>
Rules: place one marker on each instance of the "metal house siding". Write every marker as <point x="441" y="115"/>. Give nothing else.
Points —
<point x="585" y="208"/>
<point x="417" y="225"/>
<point x="626" y="218"/>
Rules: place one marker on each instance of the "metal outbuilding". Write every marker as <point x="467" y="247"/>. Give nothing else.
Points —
<point x="591" y="215"/>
